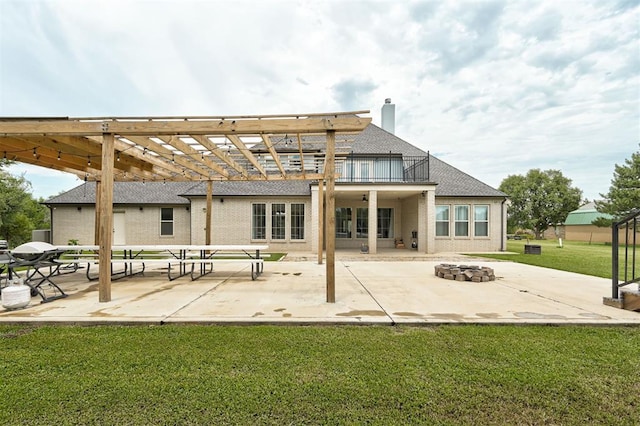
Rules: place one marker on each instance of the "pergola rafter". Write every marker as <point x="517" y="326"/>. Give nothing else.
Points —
<point x="108" y="149"/>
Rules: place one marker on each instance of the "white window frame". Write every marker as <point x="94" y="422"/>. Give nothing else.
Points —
<point x="253" y="222"/>
<point x="448" y="221"/>
<point x="167" y="221"/>
<point x="296" y="218"/>
<point x="457" y="220"/>
<point x="483" y="221"/>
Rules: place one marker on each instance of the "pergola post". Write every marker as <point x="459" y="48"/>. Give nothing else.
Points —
<point x="207" y="226"/>
<point x="96" y="226"/>
<point x="106" y="218"/>
<point x="331" y="216"/>
<point x="320" y="221"/>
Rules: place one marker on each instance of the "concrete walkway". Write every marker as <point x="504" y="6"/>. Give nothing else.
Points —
<point x="384" y="291"/>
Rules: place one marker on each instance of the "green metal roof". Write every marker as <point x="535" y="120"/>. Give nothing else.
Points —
<point x="585" y="215"/>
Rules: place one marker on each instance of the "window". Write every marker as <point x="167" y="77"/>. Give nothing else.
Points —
<point x="343" y="222"/>
<point x="442" y="221"/>
<point x="297" y="221"/>
<point x="278" y="221"/>
<point x="166" y="221"/>
<point x="461" y="221"/>
<point x="362" y="222"/>
<point x="365" y="172"/>
<point x="259" y="221"/>
<point x="481" y="221"/>
<point x="339" y="170"/>
<point x="385" y="223"/>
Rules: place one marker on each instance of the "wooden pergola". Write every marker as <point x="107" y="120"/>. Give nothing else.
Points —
<point x="207" y="149"/>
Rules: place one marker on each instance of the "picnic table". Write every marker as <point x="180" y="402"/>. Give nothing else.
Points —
<point x="180" y="259"/>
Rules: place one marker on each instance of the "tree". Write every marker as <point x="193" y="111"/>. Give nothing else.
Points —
<point x="19" y="212"/>
<point x="624" y="193"/>
<point x="539" y="199"/>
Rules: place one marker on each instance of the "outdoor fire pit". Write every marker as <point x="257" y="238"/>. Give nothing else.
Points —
<point x="476" y="274"/>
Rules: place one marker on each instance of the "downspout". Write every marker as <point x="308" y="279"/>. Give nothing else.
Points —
<point x="50" y="224"/>
<point x="502" y="225"/>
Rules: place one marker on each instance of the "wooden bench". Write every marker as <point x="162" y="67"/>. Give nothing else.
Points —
<point x="257" y="265"/>
<point x="128" y="264"/>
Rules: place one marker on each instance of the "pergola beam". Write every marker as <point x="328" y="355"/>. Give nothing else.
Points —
<point x="150" y="127"/>
<point x="215" y="150"/>
<point x="244" y="150"/>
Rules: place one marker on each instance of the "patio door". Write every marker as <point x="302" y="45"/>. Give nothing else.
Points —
<point x="119" y="229"/>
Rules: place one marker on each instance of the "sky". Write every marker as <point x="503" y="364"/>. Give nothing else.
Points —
<point x="494" y="88"/>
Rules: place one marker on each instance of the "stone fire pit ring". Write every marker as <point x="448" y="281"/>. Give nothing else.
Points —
<point x="473" y="273"/>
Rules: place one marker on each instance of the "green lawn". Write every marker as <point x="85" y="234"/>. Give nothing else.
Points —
<point x="319" y="375"/>
<point x="584" y="258"/>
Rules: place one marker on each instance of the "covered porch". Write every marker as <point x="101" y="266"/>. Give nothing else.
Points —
<point x="375" y="216"/>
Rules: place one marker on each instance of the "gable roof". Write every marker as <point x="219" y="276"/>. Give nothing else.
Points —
<point x="585" y="215"/>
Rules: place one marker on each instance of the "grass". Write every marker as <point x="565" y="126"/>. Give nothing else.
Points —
<point x="583" y="258"/>
<point x="319" y="375"/>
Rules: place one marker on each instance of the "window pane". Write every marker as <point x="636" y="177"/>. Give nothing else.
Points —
<point x="462" y="212"/>
<point x="166" y="214"/>
<point x="481" y="221"/>
<point x="481" y="213"/>
<point x="364" y="171"/>
<point x="385" y="223"/>
<point x="166" y="221"/>
<point x="166" y="228"/>
<point x="259" y="222"/>
<point x="343" y="222"/>
<point x="362" y="222"/>
<point x="442" y="229"/>
<point x="297" y="221"/>
<point x="461" y="221"/>
<point x="442" y="221"/>
<point x="442" y="213"/>
<point x="278" y="221"/>
<point x="481" y="229"/>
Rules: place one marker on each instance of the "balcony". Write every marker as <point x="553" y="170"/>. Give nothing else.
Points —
<point x="376" y="169"/>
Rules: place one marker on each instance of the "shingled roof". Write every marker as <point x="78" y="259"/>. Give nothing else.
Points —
<point x="455" y="183"/>
<point x="128" y="193"/>
<point x="253" y="188"/>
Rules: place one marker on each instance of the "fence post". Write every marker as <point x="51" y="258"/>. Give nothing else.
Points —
<point x="614" y="261"/>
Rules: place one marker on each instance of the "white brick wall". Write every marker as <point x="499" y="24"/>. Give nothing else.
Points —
<point x="470" y="243"/>
<point x="141" y="226"/>
<point x="231" y="222"/>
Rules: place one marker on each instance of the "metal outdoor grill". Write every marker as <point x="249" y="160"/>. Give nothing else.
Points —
<point x="37" y="261"/>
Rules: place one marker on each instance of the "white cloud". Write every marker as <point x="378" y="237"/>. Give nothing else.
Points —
<point x="494" y="88"/>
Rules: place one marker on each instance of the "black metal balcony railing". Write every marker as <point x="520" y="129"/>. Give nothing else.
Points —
<point x="391" y="168"/>
<point x="625" y="274"/>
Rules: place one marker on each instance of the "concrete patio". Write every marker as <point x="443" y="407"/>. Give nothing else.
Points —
<point x="370" y="289"/>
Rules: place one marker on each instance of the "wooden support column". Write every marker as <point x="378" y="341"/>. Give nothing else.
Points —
<point x="96" y="225"/>
<point x="106" y="218"/>
<point x="320" y="221"/>
<point x="208" y="215"/>
<point x="331" y="216"/>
